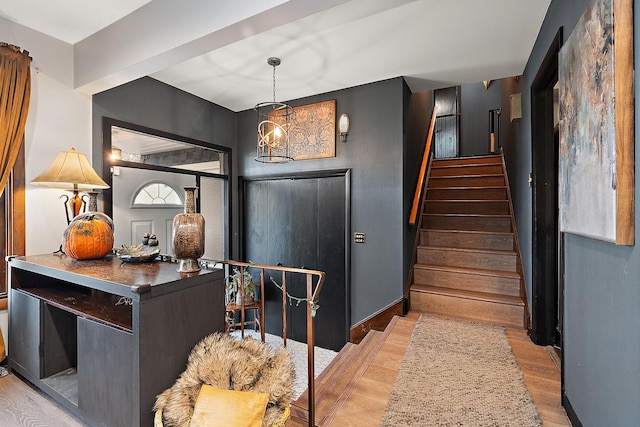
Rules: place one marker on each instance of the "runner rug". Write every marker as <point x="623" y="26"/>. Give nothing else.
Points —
<point x="459" y="373"/>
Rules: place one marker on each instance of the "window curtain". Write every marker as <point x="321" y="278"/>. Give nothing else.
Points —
<point x="15" y="93"/>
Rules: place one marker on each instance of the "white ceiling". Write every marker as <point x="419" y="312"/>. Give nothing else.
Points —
<point x="217" y="49"/>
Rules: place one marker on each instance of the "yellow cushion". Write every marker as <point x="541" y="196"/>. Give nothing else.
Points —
<point x="223" y="408"/>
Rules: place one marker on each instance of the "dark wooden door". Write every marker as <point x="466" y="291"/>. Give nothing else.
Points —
<point x="301" y="222"/>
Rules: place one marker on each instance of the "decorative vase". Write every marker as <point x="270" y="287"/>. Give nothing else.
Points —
<point x="188" y="234"/>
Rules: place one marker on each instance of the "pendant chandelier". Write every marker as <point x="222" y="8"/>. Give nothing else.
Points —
<point x="274" y="126"/>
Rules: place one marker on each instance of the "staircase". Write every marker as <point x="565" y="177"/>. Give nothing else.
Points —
<point x="468" y="264"/>
<point x="339" y="379"/>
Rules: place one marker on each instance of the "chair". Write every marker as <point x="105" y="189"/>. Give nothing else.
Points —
<point x="230" y="317"/>
<point x="227" y="363"/>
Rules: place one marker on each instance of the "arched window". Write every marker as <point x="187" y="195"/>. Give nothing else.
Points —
<point x="156" y="195"/>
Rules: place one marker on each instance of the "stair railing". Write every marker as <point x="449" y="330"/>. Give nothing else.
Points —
<point x="312" y="305"/>
<point x="423" y="170"/>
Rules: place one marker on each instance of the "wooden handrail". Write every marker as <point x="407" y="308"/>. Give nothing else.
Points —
<point x="423" y="169"/>
<point x="311" y="299"/>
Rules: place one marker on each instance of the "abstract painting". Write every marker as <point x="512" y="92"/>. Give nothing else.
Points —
<point x="312" y="133"/>
<point x="596" y="125"/>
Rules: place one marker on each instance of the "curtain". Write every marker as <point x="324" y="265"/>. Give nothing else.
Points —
<point x="15" y="92"/>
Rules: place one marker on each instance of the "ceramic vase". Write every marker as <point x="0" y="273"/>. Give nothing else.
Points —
<point x="188" y="234"/>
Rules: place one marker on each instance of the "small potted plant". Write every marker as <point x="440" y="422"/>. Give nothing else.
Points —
<point x="233" y="290"/>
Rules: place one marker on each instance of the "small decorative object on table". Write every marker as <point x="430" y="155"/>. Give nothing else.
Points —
<point x="188" y="234"/>
<point x="147" y="251"/>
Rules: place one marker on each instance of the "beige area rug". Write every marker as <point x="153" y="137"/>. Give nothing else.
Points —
<point x="458" y="373"/>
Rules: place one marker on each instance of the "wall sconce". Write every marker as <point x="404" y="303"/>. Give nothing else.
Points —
<point x="343" y="126"/>
<point x="116" y="154"/>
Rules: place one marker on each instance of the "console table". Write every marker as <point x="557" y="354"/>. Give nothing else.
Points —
<point x="104" y="338"/>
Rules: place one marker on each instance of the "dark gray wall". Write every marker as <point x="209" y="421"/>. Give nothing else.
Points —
<point x="475" y="103"/>
<point x="418" y="111"/>
<point x="151" y="103"/>
<point x="374" y="152"/>
<point x="602" y="280"/>
<point x="382" y="158"/>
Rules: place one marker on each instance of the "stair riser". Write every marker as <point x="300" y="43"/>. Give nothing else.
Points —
<point x="486" y="207"/>
<point x="477" y="223"/>
<point x="466" y="194"/>
<point x="478" y="160"/>
<point x="473" y="181"/>
<point x="468" y="309"/>
<point x="467" y="281"/>
<point x="484" y="261"/>
<point x="501" y="242"/>
<point x="466" y="170"/>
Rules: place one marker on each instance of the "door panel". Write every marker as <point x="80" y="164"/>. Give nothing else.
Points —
<point x="301" y="222"/>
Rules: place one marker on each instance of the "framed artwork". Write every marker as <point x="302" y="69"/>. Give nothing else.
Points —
<point x="312" y="133"/>
<point x="596" y="159"/>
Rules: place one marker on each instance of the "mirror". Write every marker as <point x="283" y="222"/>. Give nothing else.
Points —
<point x="147" y="170"/>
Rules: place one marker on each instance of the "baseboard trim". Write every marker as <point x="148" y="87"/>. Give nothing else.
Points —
<point x="378" y="321"/>
<point x="571" y="414"/>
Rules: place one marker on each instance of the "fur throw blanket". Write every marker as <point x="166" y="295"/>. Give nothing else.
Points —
<point x="227" y="363"/>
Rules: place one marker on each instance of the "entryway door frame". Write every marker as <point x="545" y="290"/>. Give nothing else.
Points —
<point x="547" y="277"/>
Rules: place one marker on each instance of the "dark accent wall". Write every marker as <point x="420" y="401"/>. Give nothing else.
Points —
<point x="602" y="281"/>
<point x="151" y="103"/>
<point x="382" y="151"/>
<point x="418" y="111"/>
<point x="374" y="152"/>
<point x="475" y="103"/>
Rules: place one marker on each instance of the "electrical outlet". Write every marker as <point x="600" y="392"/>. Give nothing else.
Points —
<point x="358" y="237"/>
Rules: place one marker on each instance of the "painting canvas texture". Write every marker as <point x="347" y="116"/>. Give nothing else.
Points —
<point x="587" y="158"/>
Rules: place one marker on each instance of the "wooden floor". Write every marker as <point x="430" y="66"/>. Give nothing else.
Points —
<point x="366" y="404"/>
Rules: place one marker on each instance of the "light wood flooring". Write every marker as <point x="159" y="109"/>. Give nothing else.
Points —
<point x="366" y="404"/>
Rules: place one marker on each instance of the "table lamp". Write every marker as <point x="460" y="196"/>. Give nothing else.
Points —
<point x="71" y="171"/>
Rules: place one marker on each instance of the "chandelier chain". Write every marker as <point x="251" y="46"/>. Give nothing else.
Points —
<point x="274" y="84"/>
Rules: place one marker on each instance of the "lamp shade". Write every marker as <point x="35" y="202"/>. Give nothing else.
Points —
<point x="70" y="171"/>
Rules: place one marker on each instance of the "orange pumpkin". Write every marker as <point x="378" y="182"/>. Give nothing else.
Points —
<point x="88" y="236"/>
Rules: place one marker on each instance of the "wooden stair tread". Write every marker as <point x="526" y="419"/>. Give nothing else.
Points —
<point x="469" y="215"/>
<point x="472" y="295"/>
<point x="467" y="187"/>
<point x="478" y="175"/>
<point x="468" y="250"/>
<point x="444" y="230"/>
<point x="466" y="270"/>
<point x="466" y="200"/>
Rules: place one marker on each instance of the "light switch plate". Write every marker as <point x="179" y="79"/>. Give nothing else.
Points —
<point x="358" y="237"/>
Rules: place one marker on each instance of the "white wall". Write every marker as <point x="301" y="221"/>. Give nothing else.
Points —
<point x="59" y="118"/>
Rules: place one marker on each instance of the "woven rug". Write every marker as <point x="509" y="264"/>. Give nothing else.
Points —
<point x="458" y="373"/>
